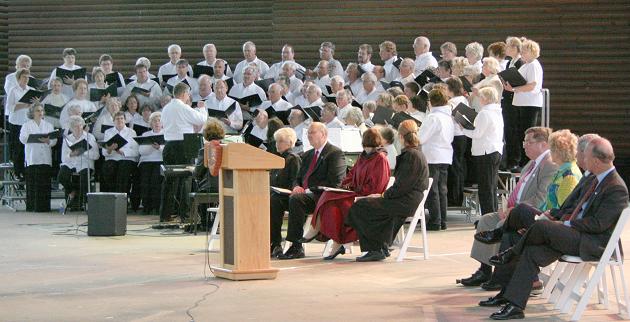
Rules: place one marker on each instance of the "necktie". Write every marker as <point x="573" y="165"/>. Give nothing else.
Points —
<point x="584" y="199"/>
<point x="514" y="194"/>
<point x="311" y="167"/>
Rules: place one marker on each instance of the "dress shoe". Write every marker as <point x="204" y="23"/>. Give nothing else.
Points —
<point x="372" y="256"/>
<point x="490" y="236"/>
<point x="496" y="300"/>
<point x="491" y="286"/>
<point x="341" y="250"/>
<point x="309" y="235"/>
<point x="537" y="288"/>
<point x="475" y="279"/>
<point x="433" y="227"/>
<point x="294" y="252"/>
<point x="386" y="252"/>
<point x="442" y="226"/>
<point x="508" y="312"/>
<point x="276" y="250"/>
<point x="502" y="258"/>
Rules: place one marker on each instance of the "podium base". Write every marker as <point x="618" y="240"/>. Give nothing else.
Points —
<point x="244" y="275"/>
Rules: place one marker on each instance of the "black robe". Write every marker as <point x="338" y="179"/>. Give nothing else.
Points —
<point x="377" y="220"/>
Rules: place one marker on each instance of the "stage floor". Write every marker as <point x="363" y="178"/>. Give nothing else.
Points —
<point x="50" y="270"/>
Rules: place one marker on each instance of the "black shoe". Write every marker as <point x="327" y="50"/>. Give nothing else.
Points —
<point x="386" y="252"/>
<point x="341" y="250"/>
<point x="372" y="256"/>
<point x="305" y="240"/>
<point x="508" y="312"/>
<point x="295" y="251"/>
<point x="491" y="286"/>
<point x="476" y="279"/>
<point x="443" y="226"/>
<point x="276" y="250"/>
<point x="490" y="236"/>
<point x="496" y="300"/>
<point x="502" y="258"/>
<point x="433" y="227"/>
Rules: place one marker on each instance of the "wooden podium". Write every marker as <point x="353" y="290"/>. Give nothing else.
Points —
<point x="244" y="212"/>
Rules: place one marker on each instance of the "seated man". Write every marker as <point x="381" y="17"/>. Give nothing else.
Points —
<point x="324" y="165"/>
<point x="531" y="190"/>
<point x="581" y="227"/>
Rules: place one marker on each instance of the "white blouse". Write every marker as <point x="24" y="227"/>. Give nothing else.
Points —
<point x="147" y="152"/>
<point x="532" y="72"/>
<point x="37" y="153"/>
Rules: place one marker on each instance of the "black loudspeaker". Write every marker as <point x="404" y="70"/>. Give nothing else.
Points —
<point x="107" y="214"/>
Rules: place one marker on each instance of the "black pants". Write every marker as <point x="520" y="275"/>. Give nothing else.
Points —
<point x="542" y="245"/>
<point x="135" y="194"/>
<point x="279" y="204"/>
<point x="38" y="188"/>
<point x="513" y="140"/>
<point x="375" y="223"/>
<point x="457" y="171"/>
<point x="175" y="189"/>
<point x="117" y="175"/>
<point x="528" y="116"/>
<point x="16" y="149"/>
<point x="74" y="182"/>
<point x="150" y="185"/>
<point x="488" y="173"/>
<point x="437" y="199"/>
<point x="300" y="205"/>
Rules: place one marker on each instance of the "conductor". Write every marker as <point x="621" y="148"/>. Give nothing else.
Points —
<point x="178" y="118"/>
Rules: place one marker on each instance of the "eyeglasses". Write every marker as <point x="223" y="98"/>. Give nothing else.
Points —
<point x="525" y="143"/>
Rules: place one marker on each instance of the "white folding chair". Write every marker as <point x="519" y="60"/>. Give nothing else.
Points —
<point x="406" y="237"/>
<point x="575" y="283"/>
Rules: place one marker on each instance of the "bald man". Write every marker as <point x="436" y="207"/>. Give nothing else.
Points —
<point x="249" y="53"/>
<point x="210" y="59"/>
<point x="581" y="227"/>
<point x="275" y="99"/>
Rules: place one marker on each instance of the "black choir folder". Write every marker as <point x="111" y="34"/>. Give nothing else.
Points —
<point x="37" y="83"/>
<point x="28" y="97"/>
<point x="382" y="115"/>
<point x="281" y="115"/>
<point x="512" y="76"/>
<point x="166" y="77"/>
<point x="149" y="140"/>
<point x="222" y="114"/>
<point x="265" y="83"/>
<point x="140" y="129"/>
<point x="140" y="90"/>
<point x="79" y="147"/>
<point x="401" y="117"/>
<point x="426" y="77"/>
<point x="112" y="78"/>
<point x="96" y="93"/>
<point x="391" y="84"/>
<point x="91" y="117"/>
<point x="74" y="74"/>
<point x="251" y="100"/>
<point x="199" y="70"/>
<point x="115" y="139"/>
<point x="465" y="116"/>
<point x="34" y="138"/>
<point x="52" y="110"/>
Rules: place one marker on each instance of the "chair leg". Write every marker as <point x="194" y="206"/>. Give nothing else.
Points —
<point x="585" y="297"/>
<point x="215" y="227"/>
<point x="602" y="290"/>
<point x="553" y="279"/>
<point x="621" y="306"/>
<point x="563" y="277"/>
<point x="425" y="242"/>
<point x="407" y="240"/>
<point x="573" y="283"/>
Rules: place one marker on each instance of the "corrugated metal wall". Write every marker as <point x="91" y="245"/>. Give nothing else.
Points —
<point x="585" y="44"/>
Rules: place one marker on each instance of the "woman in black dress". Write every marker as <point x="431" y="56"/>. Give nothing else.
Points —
<point x="377" y="218"/>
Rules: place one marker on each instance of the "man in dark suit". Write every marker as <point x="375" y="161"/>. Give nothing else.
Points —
<point x="582" y="228"/>
<point x="324" y="165"/>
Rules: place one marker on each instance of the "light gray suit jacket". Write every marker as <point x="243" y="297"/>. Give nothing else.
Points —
<point x="534" y="193"/>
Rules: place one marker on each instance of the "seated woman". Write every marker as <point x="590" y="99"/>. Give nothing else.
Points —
<point x="369" y="175"/>
<point x="378" y="217"/>
<point x="212" y="130"/>
<point x="284" y="139"/>
<point x="149" y="168"/>
<point x="38" y="160"/>
<point x="120" y="161"/>
<point x="77" y="161"/>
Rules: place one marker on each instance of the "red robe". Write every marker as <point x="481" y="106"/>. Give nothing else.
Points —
<point x="369" y="175"/>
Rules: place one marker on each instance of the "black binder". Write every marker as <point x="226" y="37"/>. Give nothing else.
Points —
<point x="512" y="76"/>
<point x="465" y="116"/>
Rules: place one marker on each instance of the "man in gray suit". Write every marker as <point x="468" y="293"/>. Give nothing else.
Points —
<point x="531" y="189"/>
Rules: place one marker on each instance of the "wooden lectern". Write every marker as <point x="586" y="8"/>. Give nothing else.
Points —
<point x="244" y="212"/>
